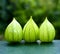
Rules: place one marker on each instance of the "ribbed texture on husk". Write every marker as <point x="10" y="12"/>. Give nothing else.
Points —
<point x="46" y="31"/>
<point x="13" y="32"/>
<point x="30" y="31"/>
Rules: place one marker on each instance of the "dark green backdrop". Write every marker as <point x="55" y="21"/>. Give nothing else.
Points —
<point x="23" y="9"/>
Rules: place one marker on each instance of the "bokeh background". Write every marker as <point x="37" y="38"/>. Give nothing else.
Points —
<point x="23" y="9"/>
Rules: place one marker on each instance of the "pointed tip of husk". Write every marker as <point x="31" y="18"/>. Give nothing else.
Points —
<point x="30" y="17"/>
<point x="13" y="18"/>
<point x="46" y="18"/>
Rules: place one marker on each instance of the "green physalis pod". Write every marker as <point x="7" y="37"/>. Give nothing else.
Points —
<point x="47" y="31"/>
<point x="30" y="31"/>
<point x="13" y="32"/>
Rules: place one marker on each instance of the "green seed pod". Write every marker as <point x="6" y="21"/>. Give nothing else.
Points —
<point x="13" y="32"/>
<point x="30" y="31"/>
<point x="46" y="32"/>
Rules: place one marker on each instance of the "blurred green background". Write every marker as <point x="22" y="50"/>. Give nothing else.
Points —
<point x="23" y="9"/>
